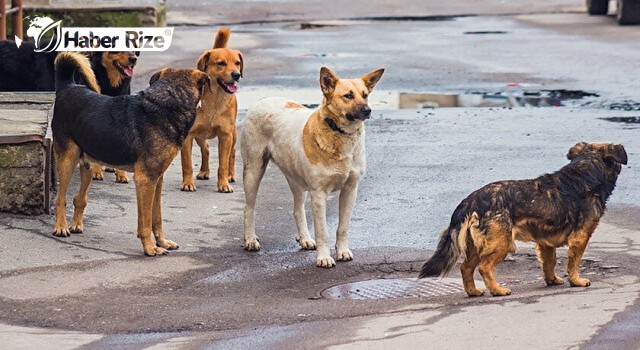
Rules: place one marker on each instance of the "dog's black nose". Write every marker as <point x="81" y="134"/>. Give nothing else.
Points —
<point x="365" y="112"/>
<point x="133" y="60"/>
<point x="235" y="76"/>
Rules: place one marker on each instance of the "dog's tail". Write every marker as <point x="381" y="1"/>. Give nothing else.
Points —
<point x="452" y="245"/>
<point x="67" y="63"/>
<point x="222" y="38"/>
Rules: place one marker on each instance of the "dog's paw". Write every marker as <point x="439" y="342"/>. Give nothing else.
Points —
<point x="203" y="175"/>
<point x="475" y="292"/>
<point x="556" y="281"/>
<point x="153" y="251"/>
<point x="189" y="186"/>
<point x="306" y="243"/>
<point x="225" y="188"/>
<point x="121" y="177"/>
<point x="76" y="227"/>
<point x="500" y="292"/>
<point x="325" y="262"/>
<point x="62" y="231"/>
<point x="167" y="244"/>
<point x="252" y="245"/>
<point x="580" y="282"/>
<point x="344" y="255"/>
<point x="98" y="175"/>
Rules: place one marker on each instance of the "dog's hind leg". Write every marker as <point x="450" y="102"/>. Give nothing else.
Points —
<point x="232" y="157"/>
<point x="547" y="257"/>
<point x="347" y="200"/>
<point x="497" y="245"/>
<point x="187" y="165"/>
<point x="468" y="266"/>
<point x="225" y="146"/>
<point x="204" y="153"/>
<point x="577" y="244"/>
<point x="319" y="210"/>
<point x="254" y="166"/>
<point x="299" y="197"/>
<point x="156" y="224"/>
<point x="81" y="198"/>
<point x="66" y="157"/>
<point x="145" y="197"/>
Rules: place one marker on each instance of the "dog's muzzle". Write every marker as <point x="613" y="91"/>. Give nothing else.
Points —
<point x="361" y="112"/>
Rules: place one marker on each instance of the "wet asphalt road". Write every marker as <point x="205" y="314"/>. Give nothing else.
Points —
<point x="421" y="163"/>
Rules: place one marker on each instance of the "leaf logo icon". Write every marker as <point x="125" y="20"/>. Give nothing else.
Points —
<point x="56" y="38"/>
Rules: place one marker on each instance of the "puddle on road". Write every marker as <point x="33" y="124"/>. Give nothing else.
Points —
<point x="485" y="32"/>
<point x="507" y="98"/>
<point x="626" y="120"/>
<point x="629" y="122"/>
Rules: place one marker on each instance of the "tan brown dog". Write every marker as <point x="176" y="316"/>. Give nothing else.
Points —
<point x="140" y="133"/>
<point x="319" y="151"/>
<point x="553" y="210"/>
<point x="217" y="116"/>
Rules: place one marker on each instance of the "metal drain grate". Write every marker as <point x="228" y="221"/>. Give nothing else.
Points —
<point x="394" y="289"/>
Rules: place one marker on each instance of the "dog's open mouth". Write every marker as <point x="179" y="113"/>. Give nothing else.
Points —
<point x="128" y="70"/>
<point x="228" y="87"/>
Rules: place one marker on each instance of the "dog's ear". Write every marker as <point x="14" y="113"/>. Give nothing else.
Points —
<point x="203" y="60"/>
<point x="371" y="79"/>
<point x="617" y="154"/>
<point x="328" y="81"/>
<point x="241" y="64"/>
<point x="156" y="76"/>
<point x="577" y="149"/>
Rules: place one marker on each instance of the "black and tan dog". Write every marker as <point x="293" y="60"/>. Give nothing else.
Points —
<point x="217" y="117"/>
<point x="553" y="210"/>
<point x="113" y="71"/>
<point x="140" y="133"/>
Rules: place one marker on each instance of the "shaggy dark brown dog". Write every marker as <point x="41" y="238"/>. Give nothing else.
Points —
<point x="562" y="208"/>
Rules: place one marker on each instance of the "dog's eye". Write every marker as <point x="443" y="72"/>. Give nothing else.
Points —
<point x="365" y="95"/>
<point x="222" y="63"/>
<point x="349" y="96"/>
<point x="237" y="63"/>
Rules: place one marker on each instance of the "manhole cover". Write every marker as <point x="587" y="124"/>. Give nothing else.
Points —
<point x="395" y="288"/>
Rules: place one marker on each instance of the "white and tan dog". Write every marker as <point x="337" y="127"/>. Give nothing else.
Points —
<point x="319" y="151"/>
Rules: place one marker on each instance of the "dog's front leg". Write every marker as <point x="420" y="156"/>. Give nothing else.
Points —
<point x="319" y="211"/>
<point x="158" y="232"/>
<point x="145" y="193"/>
<point x="577" y="244"/>
<point x="548" y="259"/>
<point x="347" y="200"/>
<point x="97" y="172"/>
